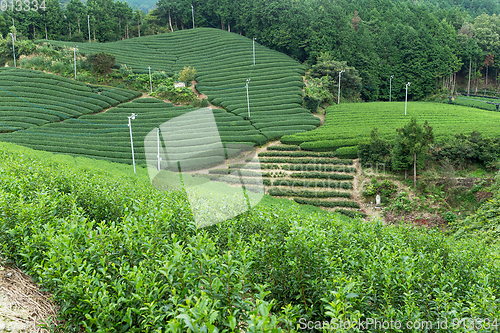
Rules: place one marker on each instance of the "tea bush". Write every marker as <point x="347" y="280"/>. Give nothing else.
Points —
<point x="119" y="256"/>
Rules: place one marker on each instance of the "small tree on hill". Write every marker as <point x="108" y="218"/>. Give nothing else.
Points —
<point x="411" y="145"/>
<point x="102" y="62"/>
<point x="187" y="75"/>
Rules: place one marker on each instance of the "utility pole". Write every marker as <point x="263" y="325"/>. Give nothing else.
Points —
<point x="150" y="82"/>
<point x="254" y="50"/>
<point x="131" y="117"/>
<point x="406" y="97"/>
<point x="390" y="88"/>
<point x="13" y="50"/>
<point x="192" y="13"/>
<point x="88" y="23"/>
<point x="75" y="59"/>
<point x="340" y="74"/>
<point x="248" y="98"/>
<point x="158" y="142"/>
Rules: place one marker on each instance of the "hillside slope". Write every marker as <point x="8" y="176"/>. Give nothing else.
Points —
<point x="224" y="62"/>
<point x="350" y="124"/>
<point x="31" y="98"/>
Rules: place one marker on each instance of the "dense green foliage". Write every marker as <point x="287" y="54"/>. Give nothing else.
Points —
<point x="353" y="123"/>
<point x="463" y="149"/>
<point x="30" y="98"/>
<point x="222" y="70"/>
<point x="131" y="264"/>
<point x="423" y="42"/>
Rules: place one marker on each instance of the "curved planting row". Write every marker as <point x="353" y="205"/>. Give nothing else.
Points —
<point x="106" y="135"/>
<point x="224" y="62"/>
<point x="31" y="98"/>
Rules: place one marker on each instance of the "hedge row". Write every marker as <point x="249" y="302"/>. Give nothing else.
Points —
<point x="305" y="160"/>
<point x="318" y="167"/>
<point x="321" y="175"/>
<point x="347" y="152"/>
<point x="313" y="183"/>
<point x="230" y="179"/>
<point x="328" y="145"/>
<point x="351" y="214"/>
<point x="329" y="204"/>
<point x="279" y="192"/>
<point x="284" y="148"/>
<point x="296" y="154"/>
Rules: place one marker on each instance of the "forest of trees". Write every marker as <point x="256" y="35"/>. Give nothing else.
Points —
<point x="429" y="43"/>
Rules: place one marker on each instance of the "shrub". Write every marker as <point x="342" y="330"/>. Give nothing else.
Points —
<point x="284" y="148"/>
<point x="347" y="152"/>
<point x="323" y="203"/>
<point x="187" y="75"/>
<point x="101" y="62"/>
<point x="328" y="145"/>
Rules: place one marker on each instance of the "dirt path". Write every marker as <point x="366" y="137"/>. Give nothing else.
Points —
<point x="357" y="193"/>
<point x="23" y="307"/>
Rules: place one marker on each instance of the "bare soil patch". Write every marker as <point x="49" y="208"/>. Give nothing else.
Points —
<point x="23" y="306"/>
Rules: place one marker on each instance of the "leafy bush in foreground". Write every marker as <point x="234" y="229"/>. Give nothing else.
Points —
<point x="120" y="256"/>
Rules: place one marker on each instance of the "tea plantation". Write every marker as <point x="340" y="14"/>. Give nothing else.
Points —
<point x="31" y="98"/>
<point x="347" y="125"/>
<point x="120" y="256"/>
<point x="106" y="135"/>
<point x="224" y="61"/>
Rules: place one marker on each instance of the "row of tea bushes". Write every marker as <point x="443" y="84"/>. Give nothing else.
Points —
<point x="30" y="98"/>
<point x="324" y="203"/>
<point x="281" y="192"/>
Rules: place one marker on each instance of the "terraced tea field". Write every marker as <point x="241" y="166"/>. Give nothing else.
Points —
<point x="106" y="135"/>
<point x="224" y="61"/>
<point x="31" y="98"/>
<point x="347" y="125"/>
<point x="318" y="179"/>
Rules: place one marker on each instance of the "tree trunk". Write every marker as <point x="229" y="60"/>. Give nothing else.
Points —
<point x="406" y="174"/>
<point x="34" y="34"/>
<point x="46" y="37"/>
<point x="486" y="86"/>
<point x="94" y="32"/>
<point x="127" y="30"/>
<point x="170" y="21"/>
<point x="79" y="30"/>
<point x="139" y="29"/>
<point x="415" y="170"/>
<point x="470" y="68"/>
<point x="182" y="25"/>
<point x="69" y="24"/>
<point x="120" y="24"/>
<point x="228" y="26"/>
<point x="222" y="24"/>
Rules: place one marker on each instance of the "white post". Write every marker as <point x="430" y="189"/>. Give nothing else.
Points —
<point x="132" y="117"/>
<point x="192" y="13"/>
<point x="248" y="98"/>
<point x="158" y="142"/>
<point x="75" y="59"/>
<point x="254" y="51"/>
<point x="406" y="97"/>
<point x="150" y="82"/>
<point x="340" y="73"/>
<point x="390" y="88"/>
<point x="13" y="50"/>
<point x="88" y="23"/>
